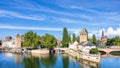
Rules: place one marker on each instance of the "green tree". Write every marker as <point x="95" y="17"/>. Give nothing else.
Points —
<point x="94" y="39"/>
<point x="69" y="38"/>
<point x="0" y="42"/>
<point x="101" y="46"/>
<point x="116" y="41"/>
<point x="74" y="37"/>
<point x="87" y="33"/>
<point x="31" y="39"/>
<point x="90" y="40"/>
<point x="48" y="41"/>
<point x="109" y="42"/>
<point x="78" y="39"/>
<point x="65" y="38"/>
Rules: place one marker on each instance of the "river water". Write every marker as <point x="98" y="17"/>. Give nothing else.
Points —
<point x="8" y="60"/>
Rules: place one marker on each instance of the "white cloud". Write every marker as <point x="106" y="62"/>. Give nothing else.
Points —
<point x="5" y="13"/>
<point x="37" y="7"/>
<point x="92" y="10"/>
<point x="83" y="8"/>
<point x="112" y="32"/>
<point x="98" y="18"/>
<point x="34" y="28"/>
<point x="109" y="32"/>
<point x="67" y="20"/>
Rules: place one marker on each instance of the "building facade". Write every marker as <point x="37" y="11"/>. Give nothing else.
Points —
<point x="12" y="43"/>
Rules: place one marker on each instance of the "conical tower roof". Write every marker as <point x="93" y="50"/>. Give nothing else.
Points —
<point x="83" y="32"/>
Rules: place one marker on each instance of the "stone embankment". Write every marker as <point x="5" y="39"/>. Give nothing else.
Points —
<point x="11" y="50"/>
<point x="80" y="55"/>
<point x="40" y="51"/>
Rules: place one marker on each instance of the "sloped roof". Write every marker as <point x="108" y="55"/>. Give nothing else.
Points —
<point x="83" y="32"/>
<point x="86" y="44"/>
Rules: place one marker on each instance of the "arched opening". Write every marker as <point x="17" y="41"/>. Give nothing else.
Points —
<point x="115" y="53"/>
<point x="102" y="52"/>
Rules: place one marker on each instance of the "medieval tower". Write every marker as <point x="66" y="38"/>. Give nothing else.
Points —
<point x="18" y="41"/>
<point x="83" y="36"/>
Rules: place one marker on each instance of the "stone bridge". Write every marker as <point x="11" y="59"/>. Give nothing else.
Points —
<point x="64" y="49"/>
<point x="108" y="50"/>
<point x="61" y="49"/>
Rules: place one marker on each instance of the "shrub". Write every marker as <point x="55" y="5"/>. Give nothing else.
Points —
<point x="94" y="51"/>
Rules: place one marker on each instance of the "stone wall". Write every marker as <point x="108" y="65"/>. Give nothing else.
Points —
<point x="83" y="38"/>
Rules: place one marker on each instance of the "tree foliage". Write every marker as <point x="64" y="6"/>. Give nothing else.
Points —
<point x="101" y="46"/>
<point x="65" y="38"/>
<point x="78" y="39"/>
<point x="69" y="40"/>
<point x="48" y="41"/>
<point x="94" y="51"/>
<point x="74" y="37"/>
<point x="94" y="39"/>
<point x="87" y="33"/>
<point x="90" y="40"/>
<point x="113" y="41"/>
<point x="31" y="39"/>
<point x="0" y="42"/>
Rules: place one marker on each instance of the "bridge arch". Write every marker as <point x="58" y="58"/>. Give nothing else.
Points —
<point x="108" y="51"/>
<point x="115" y="53"/>
<point x="102" y="52"/>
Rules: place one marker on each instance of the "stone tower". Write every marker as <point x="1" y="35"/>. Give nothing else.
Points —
<point x="103" y="38"/>
<point x="83" y="36"/>
<point x="18" y="41"/>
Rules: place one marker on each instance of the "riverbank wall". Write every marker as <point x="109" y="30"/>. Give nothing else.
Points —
<point x="80" y="55"/>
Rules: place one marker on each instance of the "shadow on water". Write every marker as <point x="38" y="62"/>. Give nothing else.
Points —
<point x="115" y="53"/>
<point x="102" y="52"/>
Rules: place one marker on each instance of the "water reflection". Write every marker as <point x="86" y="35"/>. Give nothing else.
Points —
<point x="44" y="61"/>
<point x="49" y="60"/>
<point x="17" y="58"/>
<point x="65" y="60"/>
<point x="88" y="64"/>
<point x="31" y="62"/>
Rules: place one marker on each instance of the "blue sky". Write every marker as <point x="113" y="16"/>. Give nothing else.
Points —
<point x="50" y="16"/>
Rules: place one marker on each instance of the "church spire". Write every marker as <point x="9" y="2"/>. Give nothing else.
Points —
<point x="102" y="33"/>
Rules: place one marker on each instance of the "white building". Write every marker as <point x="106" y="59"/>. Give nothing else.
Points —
<point x="74" y="45"/>
<point x="86" y="46"/>
<point x="9" y="44"/>
<point x="12" y="43"/>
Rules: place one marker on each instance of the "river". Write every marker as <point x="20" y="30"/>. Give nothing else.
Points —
<point x="8" y="60"/>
